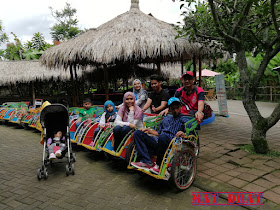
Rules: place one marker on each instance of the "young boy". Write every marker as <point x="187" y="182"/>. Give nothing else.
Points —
<point x="170" y="127"/>
<point x="87" y="113"/>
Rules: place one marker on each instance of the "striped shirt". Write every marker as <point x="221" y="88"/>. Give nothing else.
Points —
<point x="171" y="125"/>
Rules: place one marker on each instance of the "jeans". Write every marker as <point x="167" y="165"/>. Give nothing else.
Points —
<point x="163" y="143"/>
<point x="119" y="134"/>
<point x="145" y="145"/>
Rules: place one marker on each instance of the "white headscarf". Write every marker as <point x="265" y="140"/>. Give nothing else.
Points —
<point x="139" y="93"/>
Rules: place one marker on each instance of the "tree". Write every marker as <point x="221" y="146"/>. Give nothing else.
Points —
<point x="3" y="35"/>
<point x="241" y="26"/>
<point x="66" y="26"/>
<point x="38" y="41"/>
<point x="14" y="50"/>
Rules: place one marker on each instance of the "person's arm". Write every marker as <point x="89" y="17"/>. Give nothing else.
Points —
<point x="119" y="121"/>
<point x="147" y="105"/>
<point x="119" y="106"/>
<point x="49" y="142"/>
<point x="140" y="100"/>
<point x="162" y="106"/>
<point x="150" y="131"/>
<point x="102" y="120"/>
<point x="199" y="114"/>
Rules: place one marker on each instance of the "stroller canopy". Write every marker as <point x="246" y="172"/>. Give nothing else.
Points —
<point x="55" y="117"/>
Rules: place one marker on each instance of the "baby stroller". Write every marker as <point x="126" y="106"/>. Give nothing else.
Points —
<point x="55" y="117"/>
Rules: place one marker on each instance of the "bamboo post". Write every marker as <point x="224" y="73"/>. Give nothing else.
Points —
<point x="158" y="68"/>
<point x="182" y="66"/>
<point x="33" y="93"/>
<point x="199" y="70"/>
<point x="194" y="67"/>
<point x="73" y="87"/>
<point x="106" y="83"/>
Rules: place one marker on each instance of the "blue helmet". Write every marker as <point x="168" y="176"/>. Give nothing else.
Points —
<point x="173" y="99"/>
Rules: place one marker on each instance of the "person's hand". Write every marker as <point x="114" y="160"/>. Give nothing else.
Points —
<point x="180" y="134"/>
<point x="132" y="126"/>
<point x="143" y="110"/>
<point x="163" y="112"/>
<point x="131" y="108"/>
<point x="199" y="116"/>
<point x="154" y="108"/>
<point x="144" y="129"/>
<point x="101" y="126"/>
<point x="117" y="107"/>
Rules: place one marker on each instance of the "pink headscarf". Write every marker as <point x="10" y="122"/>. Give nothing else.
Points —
<point x="123" y="111"/>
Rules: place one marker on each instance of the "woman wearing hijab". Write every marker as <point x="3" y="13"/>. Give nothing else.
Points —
<point x="140" y="94"/>
<point x="129" y="116"/>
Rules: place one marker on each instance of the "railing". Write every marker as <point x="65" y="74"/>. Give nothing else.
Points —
<point x="268" y="93"/>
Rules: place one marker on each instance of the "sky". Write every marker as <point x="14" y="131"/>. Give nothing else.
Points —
<point x="26" y="17"/>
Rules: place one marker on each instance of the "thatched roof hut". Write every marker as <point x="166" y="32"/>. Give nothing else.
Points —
<point x="130" y="37"/>
<point x="26" y="71"/>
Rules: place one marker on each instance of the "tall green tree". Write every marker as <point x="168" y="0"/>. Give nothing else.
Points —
<point x="38" y="41"/>
<point x="67" y="24"/>
<point x="252" y="26"/>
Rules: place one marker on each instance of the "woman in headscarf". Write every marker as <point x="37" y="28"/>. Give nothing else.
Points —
<point x="129" y="117"/>
<point x="140" y="94"/>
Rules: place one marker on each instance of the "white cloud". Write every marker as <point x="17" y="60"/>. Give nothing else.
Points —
<point x="26" y="17"/>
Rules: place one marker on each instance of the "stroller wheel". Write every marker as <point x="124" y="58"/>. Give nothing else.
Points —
<point x="73" y="168"/>
<point x="74" y="157"/>
<point x="39" y="174"/>
<point x="45" y="172"/>
<point x="67" y="170"/>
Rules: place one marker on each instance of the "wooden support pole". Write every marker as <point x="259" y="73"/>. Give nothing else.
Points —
<point x="33" y="93"/>
<point x="182" y="66"/>
<point x="194" y="67"/>
<point x="158" y="69"/>
<point x="73" y="87"/>
<point x="106" y="84"/>
<point x="199" y="69"/>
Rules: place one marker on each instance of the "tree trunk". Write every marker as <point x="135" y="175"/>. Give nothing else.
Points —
<point x="259" y="124"/>
<point x="258" y="136"/>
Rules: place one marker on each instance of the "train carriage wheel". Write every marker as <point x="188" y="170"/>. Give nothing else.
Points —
<point x="183" y="169"/>
<point x="129" y="151"/>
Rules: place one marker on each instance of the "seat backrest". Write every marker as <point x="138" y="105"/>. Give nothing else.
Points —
<point x="210" y="92"/>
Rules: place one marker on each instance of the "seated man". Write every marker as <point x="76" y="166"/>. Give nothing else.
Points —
<point x="157" y="100"/>
<point x="191" y="96"/>
<point x="170" y="127"/>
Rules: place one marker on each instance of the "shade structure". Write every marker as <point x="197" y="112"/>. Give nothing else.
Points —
<point x="207" y="73"/>
<point x="26" y="71"/>
<point x="130" y="37"/>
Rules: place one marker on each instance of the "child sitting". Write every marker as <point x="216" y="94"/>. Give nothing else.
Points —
<point x="107" y="118"/>
<point x="58" y="140"/>
<point x="87" y="113"/>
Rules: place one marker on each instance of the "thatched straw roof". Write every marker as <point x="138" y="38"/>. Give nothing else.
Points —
<point x="130" y="37"/>
<point x="25" y="71"/>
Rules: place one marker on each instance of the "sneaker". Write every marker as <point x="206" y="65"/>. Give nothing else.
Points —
<point x="58" y="153"/>
<point x="140" y="165"/>
<point x="52" y="156"/>
<point x="155" y="169"/>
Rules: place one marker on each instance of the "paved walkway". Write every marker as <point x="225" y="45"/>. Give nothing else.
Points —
<point x="222" y="166"/>
<point x="101" y="184"/>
